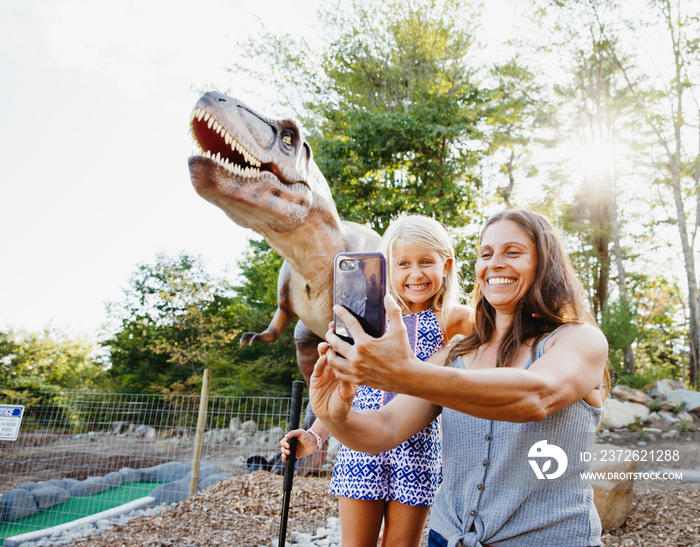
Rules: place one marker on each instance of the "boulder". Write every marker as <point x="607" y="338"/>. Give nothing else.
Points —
<point x="91" y="485"/>
<point x="28" y="486"/>
<point x="165" y="472"/>
<point x="613" y="495"/>
<point x="687" y="397"/>
<point x="15" y="504"/>
<point x="621" y="414"/>
<point x="625" y="393"/>
<point x="49" y="495"/>
<point x="249" y="425"/>
<point x="114" y="478"/>
<point x="172" y="492"/>
<point x="669" y="417"/>
<point x="663" y="388"/>
<point x="129" y="475"/>
<point x="205" y="469"/>
<point x="118" y="428"/>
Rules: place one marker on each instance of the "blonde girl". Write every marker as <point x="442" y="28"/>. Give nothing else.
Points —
<point x="396" y="488"/>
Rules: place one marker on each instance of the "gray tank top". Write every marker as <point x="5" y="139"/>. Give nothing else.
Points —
<point x="517" y="484"/>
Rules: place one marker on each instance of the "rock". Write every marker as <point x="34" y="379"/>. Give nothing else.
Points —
<point x="205" y="469"/>
<point x="15" y="504"/>
<point x="48" y="496"/>
<point x="173" y="492"/>
<point x="118" y="428"/>
<point x="625" y="393"/>
<point x="91" y="485"/>
<point x="129" y="475"/>
<point x="165" y="472"/>
<point x="686" y="417"/>
<point x="28" y="486"/>
<point x="663" y="387"/>
<point x="114" y="478"/>
<point x="669" y="417"/>
<point x="612" y="498"/>
<point x="652" y="419"/>
<point x="687" y="397"/>
<point x="673" y="434"/>
<point x="250" y="425"/>
<point x="141" y="431"/>
<point x="667" y="406"/>
<point x="621" y="414"/>
<point x="234" y="424"/>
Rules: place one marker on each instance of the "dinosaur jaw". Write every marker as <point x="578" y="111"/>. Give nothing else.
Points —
<point x="251" y="190"/>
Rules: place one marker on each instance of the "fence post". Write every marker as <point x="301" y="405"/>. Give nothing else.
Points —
<point x="201" y="421"/>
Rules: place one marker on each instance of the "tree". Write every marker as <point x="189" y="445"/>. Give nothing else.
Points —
<point x="49" y="360"/>
<point x="516" y="112"/>
<point x="671" y="126"/>
<point x="257" y="295"/>
<point x="174" y="321"/>
<point x="391" y="103"/>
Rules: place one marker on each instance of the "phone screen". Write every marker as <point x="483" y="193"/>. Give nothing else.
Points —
<point x="359" y="284"/>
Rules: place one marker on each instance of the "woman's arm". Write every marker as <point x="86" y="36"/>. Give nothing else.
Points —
<point x="371" y="431"/>
<point x="571" y="368"/>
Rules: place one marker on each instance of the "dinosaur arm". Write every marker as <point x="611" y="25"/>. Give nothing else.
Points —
<point x="283" y="314"/>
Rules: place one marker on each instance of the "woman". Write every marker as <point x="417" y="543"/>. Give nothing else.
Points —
<point x="521" y="396"/>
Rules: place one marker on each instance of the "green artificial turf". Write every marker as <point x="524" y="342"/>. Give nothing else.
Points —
<point x="76" y="508"/>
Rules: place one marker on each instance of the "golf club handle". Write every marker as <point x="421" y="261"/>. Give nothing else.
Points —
<point x="295" y="413"/>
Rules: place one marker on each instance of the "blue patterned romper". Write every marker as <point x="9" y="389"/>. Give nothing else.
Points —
<point x="411" y="472"/>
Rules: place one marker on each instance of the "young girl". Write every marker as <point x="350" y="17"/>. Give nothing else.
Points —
<point x="398" y="486"/>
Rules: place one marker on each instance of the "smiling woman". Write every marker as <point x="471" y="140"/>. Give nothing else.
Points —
<point x="531" y="374"/>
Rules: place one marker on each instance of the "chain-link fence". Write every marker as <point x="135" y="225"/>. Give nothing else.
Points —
<point x="78" y="454"/>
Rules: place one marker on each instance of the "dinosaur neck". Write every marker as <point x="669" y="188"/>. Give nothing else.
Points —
<point x="311" y="248"/>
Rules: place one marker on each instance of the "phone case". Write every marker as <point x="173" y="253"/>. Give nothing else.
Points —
<point x="359" y="284"/>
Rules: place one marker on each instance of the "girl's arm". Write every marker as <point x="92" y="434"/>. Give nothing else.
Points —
<point x="460" y="322"/>
<point x="371" y="431"/>
<point x="308" y="440"/>
<point x="571" y="368"/>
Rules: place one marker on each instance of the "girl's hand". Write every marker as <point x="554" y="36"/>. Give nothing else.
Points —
<point x="331" y="399"/>
<point x="306" y="444"/>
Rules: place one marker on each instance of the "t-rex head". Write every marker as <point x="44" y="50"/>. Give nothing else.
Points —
<point x="259" y="171"/>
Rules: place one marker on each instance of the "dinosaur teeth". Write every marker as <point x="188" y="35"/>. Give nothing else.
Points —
<point x="200" y="114"/>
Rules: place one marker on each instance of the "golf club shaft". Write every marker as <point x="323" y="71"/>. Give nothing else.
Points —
<point x="294" y="414"/>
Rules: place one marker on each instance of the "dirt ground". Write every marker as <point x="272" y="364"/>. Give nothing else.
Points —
<point x="245" y="509"/>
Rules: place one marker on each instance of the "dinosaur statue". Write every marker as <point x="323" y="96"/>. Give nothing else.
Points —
<point x="261" y="173"/>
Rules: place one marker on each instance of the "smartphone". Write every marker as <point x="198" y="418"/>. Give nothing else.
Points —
<point x="359" y="284"/>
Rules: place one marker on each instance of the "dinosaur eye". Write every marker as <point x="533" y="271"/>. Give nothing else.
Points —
<point x="287" y="139"/>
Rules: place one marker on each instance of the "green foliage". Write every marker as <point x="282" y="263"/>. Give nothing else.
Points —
<point x="404" y="106"/>
<point x="46" y="361"/>
<point x="273" y="363"/>
<point x="176" y="320"/>
<point x="391" y="103"/>
<point x="619" y="325"/>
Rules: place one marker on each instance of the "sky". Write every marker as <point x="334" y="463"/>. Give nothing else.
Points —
<point x="95" y="98"/>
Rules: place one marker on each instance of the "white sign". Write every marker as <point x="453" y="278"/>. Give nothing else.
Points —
<point x="10" y="420"/>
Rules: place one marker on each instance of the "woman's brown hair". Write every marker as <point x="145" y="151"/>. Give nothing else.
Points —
<point x="555" y="297"/>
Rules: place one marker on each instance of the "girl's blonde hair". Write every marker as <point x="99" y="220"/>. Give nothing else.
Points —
<point x="420" y="230"/>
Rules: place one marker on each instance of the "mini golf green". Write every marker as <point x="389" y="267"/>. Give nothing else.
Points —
<point x="76" y="508"/>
